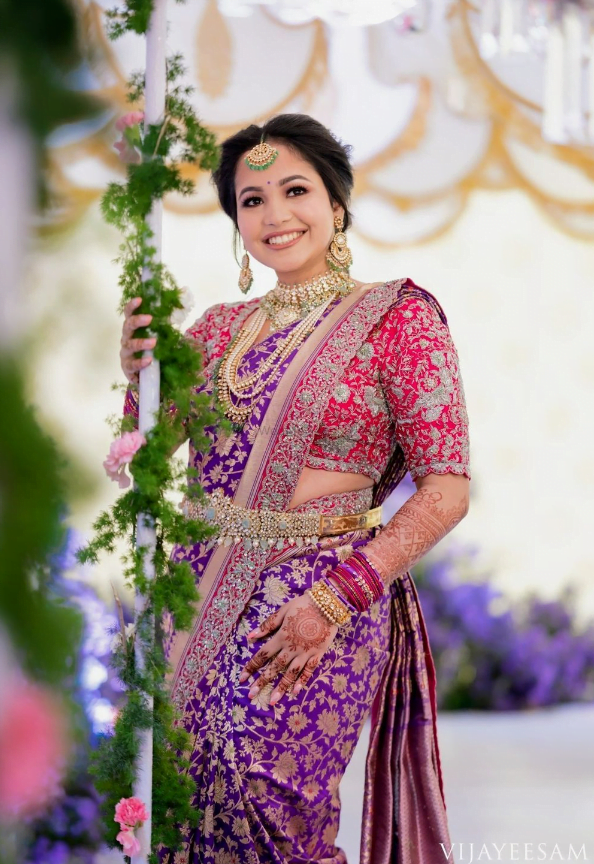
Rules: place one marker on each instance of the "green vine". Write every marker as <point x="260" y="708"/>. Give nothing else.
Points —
<point x="180" y="137"/>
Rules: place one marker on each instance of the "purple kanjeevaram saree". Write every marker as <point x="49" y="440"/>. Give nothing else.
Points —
<point x="267" y="777"/>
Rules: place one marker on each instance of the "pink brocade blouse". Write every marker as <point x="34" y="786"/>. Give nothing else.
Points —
<point x="404" y="385"/>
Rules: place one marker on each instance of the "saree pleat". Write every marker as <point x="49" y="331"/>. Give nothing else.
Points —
<point x="404" y="818"/>
<point x="267" y="777"/>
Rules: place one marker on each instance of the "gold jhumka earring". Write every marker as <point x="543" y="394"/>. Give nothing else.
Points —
<point x="246" y="277"/>
<point x="339" y="256"/>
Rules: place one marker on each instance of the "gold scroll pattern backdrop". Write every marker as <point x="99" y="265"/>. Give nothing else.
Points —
<point x="445" y="123"/>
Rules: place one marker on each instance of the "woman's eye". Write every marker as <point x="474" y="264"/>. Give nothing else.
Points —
<point x="247" y="201"/>
<point x="253" y="200"/>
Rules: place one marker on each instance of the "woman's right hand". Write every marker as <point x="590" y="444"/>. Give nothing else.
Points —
<point x="131" y="365"/>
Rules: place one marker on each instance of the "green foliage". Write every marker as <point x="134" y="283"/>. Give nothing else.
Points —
<point x="44" y="632"/>
<point x="179" y="138"/>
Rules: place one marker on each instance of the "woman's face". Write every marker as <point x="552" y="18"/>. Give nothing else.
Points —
<point x="285" y="216"/>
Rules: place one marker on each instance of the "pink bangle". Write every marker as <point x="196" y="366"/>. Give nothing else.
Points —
<point x="334" y="589"/>
<point x="351" y="588"/>
<point x="374" y="578"/>
<point x="359" y="581"/>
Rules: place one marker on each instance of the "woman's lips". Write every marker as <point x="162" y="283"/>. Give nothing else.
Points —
<point x="284" y="245"/>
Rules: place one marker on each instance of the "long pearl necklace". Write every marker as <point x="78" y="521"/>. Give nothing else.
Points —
<point x="227" y="380"/>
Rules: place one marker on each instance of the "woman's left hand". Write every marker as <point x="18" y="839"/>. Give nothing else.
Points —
<point x="303" y="635"/>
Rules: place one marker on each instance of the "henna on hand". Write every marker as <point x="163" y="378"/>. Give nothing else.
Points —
<point x="413" y="530"/>
<point x="307" y="628"/>
<point x="308" y="671"/>
<point x="288" y="680"/>
<point x="257" y="661"/>
<point x="279" y="664"/>
<point x="304" y="630"/>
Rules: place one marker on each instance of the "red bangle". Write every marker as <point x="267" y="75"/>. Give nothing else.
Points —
<point x="351" y="588"/>
<point x="374" y="578"/>
<point x="360" y="582"/>
<point x="342" y="597"/>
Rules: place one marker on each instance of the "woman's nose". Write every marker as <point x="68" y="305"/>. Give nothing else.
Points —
<point x="275" y="214"/>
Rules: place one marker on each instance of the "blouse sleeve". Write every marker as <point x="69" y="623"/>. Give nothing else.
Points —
<point x="421" y="378"/>
<point x="198" y="334"/>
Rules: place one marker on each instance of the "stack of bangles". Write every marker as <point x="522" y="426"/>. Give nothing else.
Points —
<point x="360" y="586"/>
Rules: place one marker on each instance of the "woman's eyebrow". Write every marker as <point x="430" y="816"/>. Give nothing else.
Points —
<point x="282" y="182"/>
<point x="292" y="177"/>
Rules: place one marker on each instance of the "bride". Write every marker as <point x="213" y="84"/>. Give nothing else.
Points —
<point x="309" y="620"/>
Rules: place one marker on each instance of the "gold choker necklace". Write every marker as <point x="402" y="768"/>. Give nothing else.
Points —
<point x="285" y="303"/>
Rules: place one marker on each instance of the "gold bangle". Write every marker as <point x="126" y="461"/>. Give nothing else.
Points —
<point x="328" y="603"/>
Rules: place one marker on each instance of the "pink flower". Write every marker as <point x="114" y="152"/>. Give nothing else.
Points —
<point x="128" y="145"/>
<point x="130" y="119"/>
<point x="129" y="841"/>
<point x="130" y="813"/>
<point x="122" y="452"/>
<point x="33" y="748"/>
<point x="127" y="153"/>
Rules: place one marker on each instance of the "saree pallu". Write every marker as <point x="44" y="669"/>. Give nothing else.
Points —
<point x="267" y="777"/>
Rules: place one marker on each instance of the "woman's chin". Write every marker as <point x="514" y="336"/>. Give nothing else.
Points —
<point x="287" y="263"/>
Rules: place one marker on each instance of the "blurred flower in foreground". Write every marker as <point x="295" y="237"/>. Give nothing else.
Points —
<point x="121" y="453"/>
<point x="33" y="742"/>
<point x="98" y="688"/>
<point x="70" y="832"/>
<point x="128" y="146"/>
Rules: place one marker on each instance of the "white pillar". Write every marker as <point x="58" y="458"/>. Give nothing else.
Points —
<point x="149" y="387"/>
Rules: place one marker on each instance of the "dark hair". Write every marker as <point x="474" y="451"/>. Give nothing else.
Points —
<point x="305" y="136"/>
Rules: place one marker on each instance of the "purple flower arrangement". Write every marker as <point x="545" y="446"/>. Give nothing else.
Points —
<point x="495" y="654"/>
<point x="71" y="831"/>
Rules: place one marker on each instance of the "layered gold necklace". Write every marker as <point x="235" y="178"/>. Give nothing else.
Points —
<point x="305" y="302"/>
<point x="288" y="303"/>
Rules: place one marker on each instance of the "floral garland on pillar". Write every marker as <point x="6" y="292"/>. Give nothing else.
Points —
<point x="152" y="171"/>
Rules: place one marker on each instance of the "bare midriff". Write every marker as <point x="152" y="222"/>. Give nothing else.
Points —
<point x="317" y="482"/>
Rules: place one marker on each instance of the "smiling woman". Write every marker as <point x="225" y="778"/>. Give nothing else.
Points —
<point x="288" y="225"/>
<point x="335" y="388"/>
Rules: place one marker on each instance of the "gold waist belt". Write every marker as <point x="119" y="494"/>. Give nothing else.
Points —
<point x="265" y="528"/>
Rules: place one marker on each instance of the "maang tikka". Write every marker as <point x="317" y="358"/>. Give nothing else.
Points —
<point x="261" y="156"/>
<point x="246" y="277"/>
<point x="339" y="256"/>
